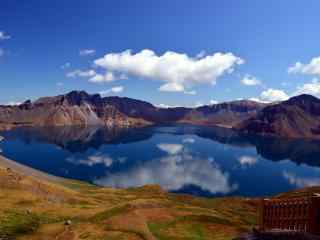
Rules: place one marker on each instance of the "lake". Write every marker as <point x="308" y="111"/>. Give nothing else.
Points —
<point x="202" y="161"/>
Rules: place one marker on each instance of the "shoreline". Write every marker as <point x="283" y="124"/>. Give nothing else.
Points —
<point x="28" y="171"/>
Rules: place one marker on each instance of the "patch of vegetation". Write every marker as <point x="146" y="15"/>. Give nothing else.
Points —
<point x="26" y="203"/>
<point x="14" y="223"/>
<point x="89" y="208"/>
<point x="77" y="185"/>
<point x="192" y="231"/>
<point x="118" y="210"/>
<point x="190" y="225"/>
<point x="205" y="219"/>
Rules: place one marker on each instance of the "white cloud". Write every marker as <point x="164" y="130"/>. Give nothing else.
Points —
<point x="213" y="102"/>
<point x="247" y="160"/>
<point x="311" y="68"/>
<point x="80" y="73"/>
<point x="201" y="54"/>
<point x="192" y="92"/>
<point x="249" y="80"/>
<point x="87" y="52"/>
<point x="178" y="71"/>
<point x="198" y="104"/>
<point x="312" y="88"/>
<point x="259" y="100"/>
<point x="162" y="105"/>
<point x="273" y="95"/>
<point x="301" y="182"/>
<point x="117" y="89"/>
<point x="170" y="148"/>
<point x="13" y="103"/>
<point x="107" y="77"/>
<point x="4" y="36"/>
<point x="171" y="87"/>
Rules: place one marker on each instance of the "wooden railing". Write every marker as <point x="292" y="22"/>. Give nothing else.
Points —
<point x="295" y="214"/>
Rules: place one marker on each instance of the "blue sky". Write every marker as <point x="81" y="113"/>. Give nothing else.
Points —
<point x="182" y="52"/>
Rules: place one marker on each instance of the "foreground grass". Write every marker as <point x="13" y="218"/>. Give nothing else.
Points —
<point x="35" y="209"/>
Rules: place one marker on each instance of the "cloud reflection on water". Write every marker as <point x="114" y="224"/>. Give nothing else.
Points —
<point x="301" y="182"/>
<point x="173" y="172"/>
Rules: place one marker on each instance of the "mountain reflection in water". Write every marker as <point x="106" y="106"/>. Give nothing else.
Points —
<point x="206" y="161"/>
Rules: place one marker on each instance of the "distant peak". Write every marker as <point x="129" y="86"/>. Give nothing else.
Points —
<point x="77" y="93"/>
<point x="77" y="97"/>
<point x="303" y="98"/>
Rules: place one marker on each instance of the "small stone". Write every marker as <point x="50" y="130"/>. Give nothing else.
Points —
<point x="68" y="222"/>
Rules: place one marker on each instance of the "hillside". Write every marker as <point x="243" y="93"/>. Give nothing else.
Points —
<point x="298" y="117"/>
<point x="81" y="108"/>
<point x="35" y="206"/>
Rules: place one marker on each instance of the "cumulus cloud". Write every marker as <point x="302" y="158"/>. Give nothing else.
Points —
<point x="249" y="80"/>
<point x="311" y="68"/>
<point x="312" y="88"/>
<point x="175" y="87"/>
<point x="116" y="89"/>
<point x="107" y="77"/>
<point x="192" y="92"/>
<point x="170" y="148"/>
<point x="201" y="54"/>
<point x="95" y="77"/>
<point x="178" y="71"/>
<point x="173" y="172"/>
<point x="273" y="95"/>
<point x="213" y="102"/>
<point x="87" y="52"/>
<point x="80" y="73"/>
<point x="301" y="182"/>
<point x="4" y="36"/>
<point x="171" y="87"/>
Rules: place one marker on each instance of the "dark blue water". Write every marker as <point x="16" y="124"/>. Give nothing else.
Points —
<point x="185" y="159"/>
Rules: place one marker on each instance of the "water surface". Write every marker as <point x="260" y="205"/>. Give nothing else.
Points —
<point x="185" y="159"/>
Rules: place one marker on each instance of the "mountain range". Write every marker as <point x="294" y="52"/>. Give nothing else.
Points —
<point x="298" y="117"/>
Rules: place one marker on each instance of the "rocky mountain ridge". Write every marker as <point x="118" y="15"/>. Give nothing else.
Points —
<point x="298" y="117"/>
<point x="81" y="108"/>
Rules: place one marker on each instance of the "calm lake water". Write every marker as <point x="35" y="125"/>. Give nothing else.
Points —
<point x="185" y="159"/>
